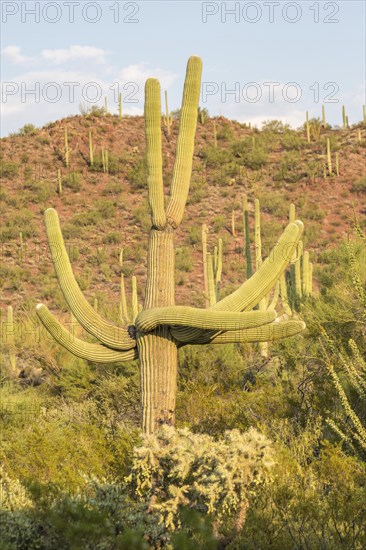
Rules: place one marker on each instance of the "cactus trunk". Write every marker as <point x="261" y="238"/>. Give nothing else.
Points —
<point x="158" y="349"/>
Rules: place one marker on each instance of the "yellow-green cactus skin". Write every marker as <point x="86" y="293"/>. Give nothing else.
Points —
<point x="161" y="327"/>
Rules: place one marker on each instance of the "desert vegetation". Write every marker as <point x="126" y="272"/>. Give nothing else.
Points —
<point x="123" y="423"/>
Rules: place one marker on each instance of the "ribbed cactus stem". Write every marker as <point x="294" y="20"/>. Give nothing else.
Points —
<point x="359" y="135"/>
<point x="307" y="127"/>
<point x="211" y="280"/>
<point x="218" y="272"/>
<point x="91" y="149"/>
<point x="59" y="182"/>
<point x="168" y="119"/>
<point x="10" y="339"/>
<point x="292" y="213"/>
<point x="120" y="107"/>
<point x="257" y="234"/>
<point x="347" y="122"/>
<point x="324" y="121"/>
<point x="247" y="251"/>
<point x="306" y="273"/>
<point x="298" y="283"/>
<point x="364" y="113"/>
<point x="329" y="157"/>
<point x="337" y="163"/>
<point x="204" y="262"/>
<point x="182" y="170"/>
<point x="123" y="302"/>
<point x="67" y="151"/>
<point x="284" y="295"/>
<point x="105" y="105"/>
<point x="154" y="157"/>
<point x="157" y="349"/>
<point x="344" y="117"/>
<point x="135" y="302"/>
<point x="95" y="303"/>
<point x="310" y="284"/>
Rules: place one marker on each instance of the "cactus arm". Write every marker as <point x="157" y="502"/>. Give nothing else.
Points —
<point x="265" y="333"/>
<point x="85" y="350"/>
<point x="211" y="280"/>
<point x="185" y="146"/>
<point x="109" y="334"/>
<point x="185" y="316"/>
<point x="275" y="296"/>
<point x="204" y="261"/>
<point x="254" y="289"/>
<point x="154" y="153"/>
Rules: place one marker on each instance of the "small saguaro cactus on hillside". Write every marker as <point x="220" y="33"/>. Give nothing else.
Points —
<point x="162" y="327"/>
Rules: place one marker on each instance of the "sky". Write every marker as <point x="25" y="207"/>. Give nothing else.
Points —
<point x="262" y="60"/>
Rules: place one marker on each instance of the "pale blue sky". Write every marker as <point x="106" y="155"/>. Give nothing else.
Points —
<point x="324" y="58"/>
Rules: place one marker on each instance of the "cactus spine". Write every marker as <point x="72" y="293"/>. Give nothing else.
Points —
<point x="168" y="119"/>
<point x="161" y="327"/>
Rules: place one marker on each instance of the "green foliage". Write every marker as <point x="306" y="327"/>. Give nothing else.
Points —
<point x="9" y="169"/>
<point x="137" y="174"/>
<point x="27" y="130"/>
<point x="73" y="181"/>
<point x="359" y="186"/>
<point x="175" y="468"/>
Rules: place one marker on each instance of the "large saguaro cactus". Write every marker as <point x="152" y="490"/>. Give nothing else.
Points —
<point x="161" y="327"/>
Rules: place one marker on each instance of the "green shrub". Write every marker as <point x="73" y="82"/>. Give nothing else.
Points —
<point x="9" y="169"/>
<point x="359" y="186"/>
<point x="72" y="181"/>
<point x="137" y="174"/>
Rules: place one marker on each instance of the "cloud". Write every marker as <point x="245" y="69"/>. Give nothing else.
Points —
<point x="75" y="52"/>
<point x="139" y="73"/>
<point x="13" y="53"/>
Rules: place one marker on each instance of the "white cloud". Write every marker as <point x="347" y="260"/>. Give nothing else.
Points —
<point x="75" y="52"/>
<point x="139" y="73"/>
<point x="13" y="53"/>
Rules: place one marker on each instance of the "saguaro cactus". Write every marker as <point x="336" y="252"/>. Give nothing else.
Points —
<point x="161" y="327"/>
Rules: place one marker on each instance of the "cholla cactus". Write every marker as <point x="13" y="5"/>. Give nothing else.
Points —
<point x="176" y="468"/>
<point x="162" y="327"/>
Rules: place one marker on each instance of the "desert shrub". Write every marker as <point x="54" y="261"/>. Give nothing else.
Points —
<point x="290" y="169"/>
<point x="72" y="181"/>
<point x="183" y="259"/>
<point x="176" y="468"/>
<point x="314" y="499"/>
<point x="8" y="169"/>
<point x="113" y="188"/>
<point x="27" y="130"/>
<point x="292" y="141"/>
<point x="214" y="157"/>
<point x="225" y="132"/>
<point x="275" y="126"/>
<point x="137" y="174"/>
<point x="41" y="190"/>
<point x="359" y="186"/>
